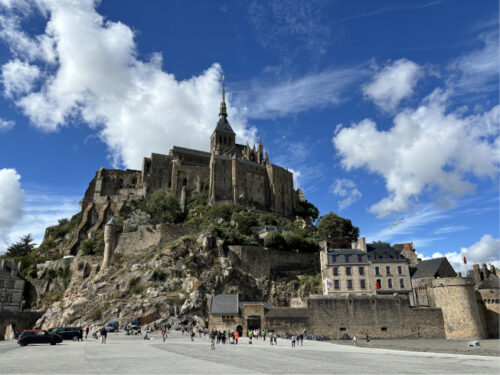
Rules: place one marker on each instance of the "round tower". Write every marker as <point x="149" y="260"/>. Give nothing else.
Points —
<point x="109" y="242"/>
<point x="457" y="299"/>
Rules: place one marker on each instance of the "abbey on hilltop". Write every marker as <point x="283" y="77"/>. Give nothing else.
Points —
<point x="235" y="173"/>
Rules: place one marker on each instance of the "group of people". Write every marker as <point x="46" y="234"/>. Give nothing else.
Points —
<point x="297" y="338"/>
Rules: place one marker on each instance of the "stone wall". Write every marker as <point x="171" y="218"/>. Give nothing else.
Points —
<point x="379" y="317"/>
<point x="489" y="302"/>
<point x="287" y="319"/>
<point x="21" y="320"/>
<point x="457" y="298"/>
<point x="259" y="261"/>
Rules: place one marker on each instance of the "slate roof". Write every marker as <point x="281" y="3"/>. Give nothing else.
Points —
<point x="223" y="126"/>
<point x="190" y="151"/>
<point x="383" y="253"/>
<point x="224" y="304"/>
<point x="338" y="256"/>
<point x="430" y="268"/>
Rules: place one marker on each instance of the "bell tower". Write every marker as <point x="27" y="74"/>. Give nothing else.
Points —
<point x="223" y="138"/>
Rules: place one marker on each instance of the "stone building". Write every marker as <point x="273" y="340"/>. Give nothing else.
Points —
<point x="366" y="270"/>
<point x="227" y="313"/>
<point x="437" y="285"/>
<point x="487" y="286"/>
<point x="234" y="173"/>
<point x="11" y="286"/>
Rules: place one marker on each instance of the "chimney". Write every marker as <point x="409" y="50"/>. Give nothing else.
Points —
<point x="459" y="274"/>
<point x="484" y="271"/>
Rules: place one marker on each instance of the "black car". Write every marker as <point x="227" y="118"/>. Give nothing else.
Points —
<point x="68" y="333"/>
<point x="38" y="337"/>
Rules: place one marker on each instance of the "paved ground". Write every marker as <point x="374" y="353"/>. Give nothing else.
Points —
<point x="487" y="347"/>
<point x="126" y="354"/>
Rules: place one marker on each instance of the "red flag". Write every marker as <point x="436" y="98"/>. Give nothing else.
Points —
<point x="465" y="261"/>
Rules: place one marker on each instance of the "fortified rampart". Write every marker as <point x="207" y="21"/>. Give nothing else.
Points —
<point x="457" y="299"/>
<point x="377" y="316"/>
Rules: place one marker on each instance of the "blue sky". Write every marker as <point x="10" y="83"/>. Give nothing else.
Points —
<point x="387" y="111"/>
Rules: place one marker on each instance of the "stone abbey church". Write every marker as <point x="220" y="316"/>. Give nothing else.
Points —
<point x="236" y="174"/>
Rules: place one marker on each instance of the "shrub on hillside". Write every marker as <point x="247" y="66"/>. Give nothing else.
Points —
<point x="275" y="240"/>
<point x="164" y="208"/>
<point x="137" y="218"/>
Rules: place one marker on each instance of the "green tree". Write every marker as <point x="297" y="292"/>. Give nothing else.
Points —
<point x="334" y="228"/>
<point x="22" y="247"/>
<point x="164" y="208"/>
<point x="306" y="209"/>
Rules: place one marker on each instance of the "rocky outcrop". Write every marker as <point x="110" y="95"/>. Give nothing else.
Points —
<point x="172" y="281"/>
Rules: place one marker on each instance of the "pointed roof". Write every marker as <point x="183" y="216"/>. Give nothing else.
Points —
<point x="111" y="221"/>
<point x="223" y="125"/>
<point x="437" y="267"/>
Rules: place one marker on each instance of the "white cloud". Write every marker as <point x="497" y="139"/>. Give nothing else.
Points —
<point x="137" y="107"/>
<point x="486" y="250"/>
<point x="18" y="77"/>
<point x="298" y="95"/>
<point x="6" y="125"/>
<point x="450" y="229"/>
<point x="346" y="189"/>
<point x="429" y="149"/>
<point x="478" y="70"/>
<point x="393" y="83"/>
<point x="11" y="202"/>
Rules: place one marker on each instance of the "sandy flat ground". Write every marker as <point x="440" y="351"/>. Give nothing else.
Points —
<point x="178" y="355"/>
<point x="487" y="347"/>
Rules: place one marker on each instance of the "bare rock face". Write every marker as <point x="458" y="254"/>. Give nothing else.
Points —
<point x="170" y="283"/>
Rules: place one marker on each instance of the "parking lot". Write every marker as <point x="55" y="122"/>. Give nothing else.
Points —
<point x="131" y="354"/>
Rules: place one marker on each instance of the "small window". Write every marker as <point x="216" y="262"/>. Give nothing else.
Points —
<point x="349" y="284"/>
<point x="343" y="328"/>
<point x="361" y="270"/>
<point x="383" y="329"/>
<point x="400" y="270"/>
<point x="346" y="258"/>
<point x="377" y="271"/>
<point x="388" y="270"/>
<point x="402" y="283"/>
<point x="389" y="283"/>
<point x="362" y="284"/>
<point x="336" y="284"/>
<point x="11" y="284"/>
<point x="348" y="270"/>
<point x="334" y="259"/>
<point x="335" y="271"/>
<point x="360" y="258"/>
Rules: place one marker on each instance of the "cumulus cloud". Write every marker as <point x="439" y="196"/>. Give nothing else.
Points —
<point x="6" y="125"/>
<point x="95" y="75"/>
<point x="18" y="77"/>
<point x="486" y="250"/>
<point x="428" y="149"/>
<point x="393" y="83"/>
<point x="11" y="202"/>
<point x="347" y="190"/>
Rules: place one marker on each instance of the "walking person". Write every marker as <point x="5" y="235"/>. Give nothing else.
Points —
<point x="275" y="336"/>
<point x="86" y="332"/>
<point x="355" y="340"/>
<point x="236" y="337"/>
<point x="212" y="340"/>
<point x="301" y="337"/>
<point x="367" y="338"/>
<point x="250" y="336"/>
<point x="293" y="340"/>
<point x="264" y="335"/>
<point x="103" y="334"/>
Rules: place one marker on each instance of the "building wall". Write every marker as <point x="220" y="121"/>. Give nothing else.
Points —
<point x="11" y="286"/>
<point x="394" y="276"/>
<point x="225" y="322"/>
<point x="342" y="277"/>
<point x="489" y="302"/>
<point x="379" y="317"/>
<point x="457" y="299"/>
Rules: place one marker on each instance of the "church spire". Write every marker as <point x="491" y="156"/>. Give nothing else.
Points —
<point x="223" y="102"/>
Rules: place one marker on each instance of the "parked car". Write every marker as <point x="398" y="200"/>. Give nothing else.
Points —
<point x="112" y="327"/>
<point x="68" y="333"/>
<point x="38" y="337"/>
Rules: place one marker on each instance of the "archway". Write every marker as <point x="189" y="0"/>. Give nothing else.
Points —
<point x="239" y="329"/>
<point x="253" y="322"/>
